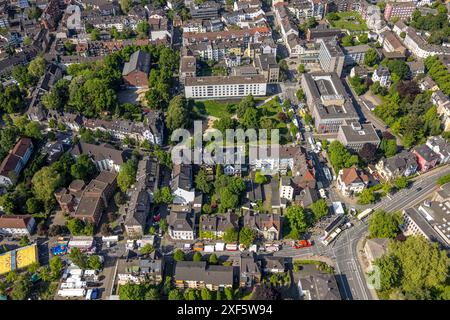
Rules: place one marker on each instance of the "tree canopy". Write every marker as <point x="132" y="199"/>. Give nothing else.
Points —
<point x="385" y="225"/>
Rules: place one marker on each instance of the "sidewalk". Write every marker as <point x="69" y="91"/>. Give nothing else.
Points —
<point x="363" y="263"/>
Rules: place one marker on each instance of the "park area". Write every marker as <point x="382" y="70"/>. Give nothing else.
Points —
<point x="348" y="20"/>
<point x="213" y="108"/>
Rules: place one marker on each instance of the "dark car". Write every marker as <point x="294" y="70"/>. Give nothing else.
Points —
<point x="418" y="189"/>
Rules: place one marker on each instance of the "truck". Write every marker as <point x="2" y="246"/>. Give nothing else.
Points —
<point x="220" y="246"/>
<point x="327" y="173"/>
<point x="198" y="246"/>
<point x="299" y="244"/>
<point x="209" y="248"/>
<point x="364" y="214"/>
<point x="72" y="292"/>
<point x="92" y="294"/>
<point x="231" y="247"/>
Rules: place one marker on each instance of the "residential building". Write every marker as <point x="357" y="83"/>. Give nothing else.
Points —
<point x="416" y="68"/>
<point x="355" y="135"/>
<point x="250" y="270"/>
<point x="198" y="275"/>
<point x="331" y="56"/>
<point x="383" y="76"/>
<point x="15" y="161"/>
<point x="104" y="156"/>
<point x="215" y="226"/>
<point x="402" y="10"/>
<point x="415" y="223"/>
<point x="135" y="72"/>
<point x="225" y="86"/>
<point x="317" y="285"/>
<point x="322" y="31"/>
<point x="355" y="54"/>
<point x="286" y="188"/>
<point x="17" y="225"/>
<point x="182" y="184"/>
<point x="426" y="83"/>
<point x="95" y="197"/>
<point x="402" y="164"/>
<point x="307" y="197"/>
<point x="138" y="209"/>
<point x="69" y="198"/>
<point x="267" y="65"/>
<point x="441" y="147"/>
<point x="274" y="264"/>
<point x="391" y="44"/>
<point x="137" y="271"/>
<point x="181" y="223"/>
<point x="269" y="226"/>
<point x="426" y="158"/>
<point x="188" y="67"/>
<point x="328" y="101"/>
<point x="419" y="46"/>
<point x="374" y="249"/>
<point x="352" y="181"/>
<point x="205" y="10"/>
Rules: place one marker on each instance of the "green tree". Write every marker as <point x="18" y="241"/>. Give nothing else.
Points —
<point x="367" y="196"/>
<point x="213" y="259"/>
<point x="125" y="5"/>
<point x="175" y="294"/>
<point x="56" y="267"/>
<point x="384" y="225"/>
<point x="371" y="57"/>
<point x="45" y="182"/>
<point x="178" y="255"/>
<point x="178" y="113"/>
<point x="33" y="205"/>
<point x="127" y="175"/>
<point x="24" y="241"/>
<point x="84" y="168"/>
<point x="389" y="147"/>
<point x="247" y="103"/>
<point x="201" y="181"/>
<point x="319" y="209"/>
<point x="37" y="67"/>
<point x="230" y="235"/>
<point x="229" y="293"/>
<point x="21" y="288"/>
<point x="401" y="183"/>
<point x="301" y="68"/>
<point x="297" y="221"/>
<point x="443" y="180"/>
<point x="206" y="294"/>
<point x="390" y="272"/>
<point x="78" y="258"/>
<point x="131" y="291"/>
<point x="247" y="236"/>
<point x="347" y="41"/>
<point x="260" y="178"/>
<point x="142" y="29"/>
<point x="197" y="257"/>
<point x="95" y="34"/>
<point x="152" y="294"/>
<point x="163" y="195"/>
<point x="340" y="157"/>
<point x="147" y="249"/>
<point x="94" y="262"/>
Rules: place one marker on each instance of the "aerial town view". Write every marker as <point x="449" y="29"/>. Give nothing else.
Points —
<point x="232" y="150"/>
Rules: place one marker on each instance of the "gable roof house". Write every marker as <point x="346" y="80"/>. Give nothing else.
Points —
<point x="181" y="222"/>
<point x="17" y="225"/>
<point x="402" y="164"/>
<point x="351" y="181"/>
<point x="14" y="162"/>
<point x="104" y="156"/>
<point x="192" y="274"/>
<point x="269" y="226"/>
<point x="426" y="158"/>
<point x="441" y="147"/>
<point x="135" y="72"/>
<point x="182" y="184"/>
<point x="213" y="227"/>
<point x="317" y="285"/>
<point x="250" y="270"/>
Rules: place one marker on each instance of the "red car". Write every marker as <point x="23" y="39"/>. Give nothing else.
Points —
<point x="301" y="244"/>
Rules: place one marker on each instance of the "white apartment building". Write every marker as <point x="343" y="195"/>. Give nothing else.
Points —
<point x="225" y="86"/>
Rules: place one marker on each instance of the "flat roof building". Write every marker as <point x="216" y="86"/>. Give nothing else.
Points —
<point x="355" y="135"/>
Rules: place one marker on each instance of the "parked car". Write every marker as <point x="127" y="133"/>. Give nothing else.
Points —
<point x="299" y="244"/>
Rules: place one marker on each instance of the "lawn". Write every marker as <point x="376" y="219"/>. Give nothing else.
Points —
<point x="350" y="20"/>
<point x="213" y="108"/>
<point x="271" y="110"/>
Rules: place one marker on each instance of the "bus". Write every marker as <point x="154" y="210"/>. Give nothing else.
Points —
<point x="364" y="214"/>
<point x="332" y="236"/>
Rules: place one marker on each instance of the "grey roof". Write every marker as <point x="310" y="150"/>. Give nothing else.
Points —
<point x="99" y="152"/>
<point x="249" y="265"/>
<point x="400" y="161"/>
<point x="308" y="196"/>
<point x="139" y="60"/>
<point x="274" y="262"/>
<point x="138" y="208"/>
<point x="147" y="175"/>
<point x="422" y="223"/>
<point x="360" y="133"/>
<point x="222" y="80"/>
<point x="266" y="61"/>
<point x="377" y="246"/>
<point x="183" y="177"/>
<point x="321" y="286"/>
<point x="200" y="271"/>
<point x="181" y="218"/>
<point x="425" y="152"/>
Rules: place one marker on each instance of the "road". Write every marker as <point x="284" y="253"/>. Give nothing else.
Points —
<point x="344" y="249"/>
